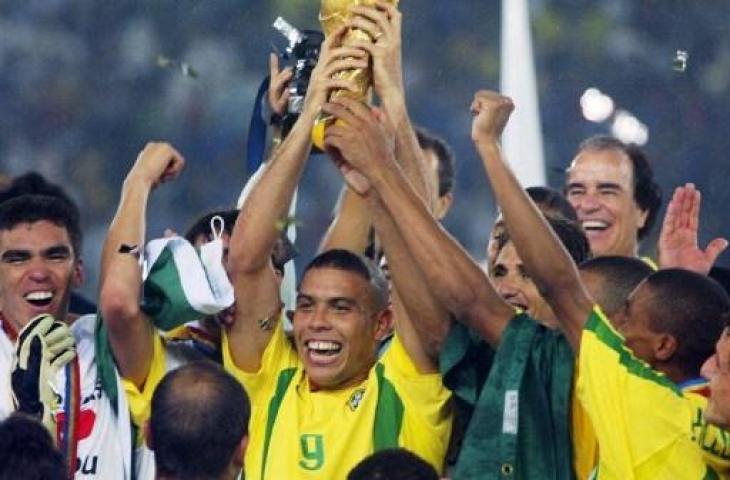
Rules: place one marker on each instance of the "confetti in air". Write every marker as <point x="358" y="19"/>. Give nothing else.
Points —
<point x="185" y="69"/>
<point x="680" y="61"/>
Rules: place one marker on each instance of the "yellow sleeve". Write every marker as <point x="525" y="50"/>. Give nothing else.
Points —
<point x="396" y="357"/>
<point x="585" y="446"/>
<point x="640" y="418"/>
<point x="428" y="413"/>
<point x="139" y="401"/>
<point x="279" y="354"/>
<point x="712" y="440"/>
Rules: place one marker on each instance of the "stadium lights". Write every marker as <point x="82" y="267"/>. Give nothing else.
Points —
<point x="597" y="107"/>
<point x="629" y="129"/>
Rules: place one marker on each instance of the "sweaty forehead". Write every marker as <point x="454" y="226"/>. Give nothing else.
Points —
<point x="602" y="166"/>
<point x="36" y="236"/>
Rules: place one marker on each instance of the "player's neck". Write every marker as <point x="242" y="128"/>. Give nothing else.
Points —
<point x="349" y="383"/>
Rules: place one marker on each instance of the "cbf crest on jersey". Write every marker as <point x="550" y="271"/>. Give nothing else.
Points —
<point x="356" y="399"/>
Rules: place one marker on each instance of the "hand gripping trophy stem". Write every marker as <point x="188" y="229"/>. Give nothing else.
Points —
<point x="332" y="15"/>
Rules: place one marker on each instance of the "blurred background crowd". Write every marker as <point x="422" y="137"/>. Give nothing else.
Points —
<point x="84" y="84"/>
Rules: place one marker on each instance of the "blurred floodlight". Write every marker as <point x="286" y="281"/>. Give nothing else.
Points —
<point x="597" y="106"/>
<point x="629" y="129"/>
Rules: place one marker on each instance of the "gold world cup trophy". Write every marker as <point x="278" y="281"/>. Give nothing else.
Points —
<point x="332" y="15"/>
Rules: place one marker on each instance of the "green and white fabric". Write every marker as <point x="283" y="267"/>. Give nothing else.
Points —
<point x="180" y="285"/>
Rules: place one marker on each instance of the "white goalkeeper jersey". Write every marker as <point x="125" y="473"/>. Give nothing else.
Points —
<point x="104" y="447"/>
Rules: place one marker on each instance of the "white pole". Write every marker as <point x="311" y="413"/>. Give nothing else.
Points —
<point x="522" y="139"/>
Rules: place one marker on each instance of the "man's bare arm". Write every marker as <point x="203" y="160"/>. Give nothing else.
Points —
<point x="421" y="321"/>
<point x="130" y="332"/>
<point x="456" y="281"/>
<point x="383" y="22"/>
<point x="419" y="317"/>
<point x="550" y="266"/>
<point x="256" y="232"/>
<point x="351" y="226"/>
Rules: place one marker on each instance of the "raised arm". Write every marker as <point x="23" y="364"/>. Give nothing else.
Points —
<point x="255" y="233"/>
<point x="130" y="333"/>
<point x="678" y="242"/>
<point x="383" y="21"/>
<point x="420" y="322"/>
<point x="455" y="279"/>
<point x="351" y="226"/>
<point x="543" y="255"/>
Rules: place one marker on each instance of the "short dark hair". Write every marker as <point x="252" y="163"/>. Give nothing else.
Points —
<point x="33" y="183"/>
<point x="722" y="276"/>
<point x="552" y="202"/>
<point x="352" y="262"/>
<point x="199" y="416"/>
<point x="548" y="201"/>
<point x="393" y="464"/>
<point x="27" y="451"/>
<point x="693" y="308"/>
<point x="445" y="156"/>
<point x="619" y="277"/>
<point x="31" y="208"/>
<point x="647" y="193"/>
<point x="570" y="234"/>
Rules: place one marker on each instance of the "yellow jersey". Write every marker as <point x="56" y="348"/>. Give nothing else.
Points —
<point x="714" y="441"/>
<point x="641" y="419"/>
<point x="297" y="433"/>
<point x="585" y="445"/>
<point x="167" y="355"/>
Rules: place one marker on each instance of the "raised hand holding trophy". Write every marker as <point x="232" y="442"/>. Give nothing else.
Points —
<point x="334" y="14"/>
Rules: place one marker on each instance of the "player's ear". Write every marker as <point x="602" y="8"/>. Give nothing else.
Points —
<point x="384" y="324"/>
<point x="79" y="273"/>
<point x="240" y="452"/>
<point x="443" y="204"/>
<point x="665" y="347"/>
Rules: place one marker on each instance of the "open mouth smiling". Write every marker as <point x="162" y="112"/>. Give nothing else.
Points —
<point x="516" y="304"/>
<point x="327" y="348"/>
<point x="594" y="225"/>
<point x="40" y="298"/>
